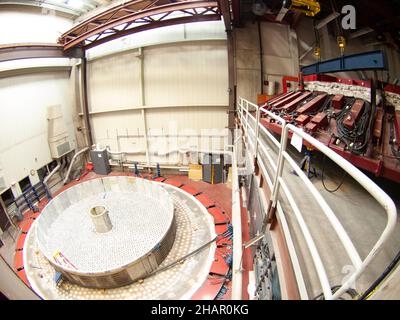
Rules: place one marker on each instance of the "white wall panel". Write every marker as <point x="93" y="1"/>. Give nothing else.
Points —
<point x="185" y="128"/>
<point x="23" y="120"/>
<point x="189" y="74"/>
<point x="195" y="118"/>
<point x="107" y="128"/>
<point x="280" y="57"/>
<point x="28" y="25"/>
<point x="275" y="40"/>
<point x="114" y="82"/>
<point x="185" y="87"/>
<point x="172" y="34"/>
<point x="168" y="129"/>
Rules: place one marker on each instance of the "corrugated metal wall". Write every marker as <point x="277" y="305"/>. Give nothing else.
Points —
<point x="114" y="82"/>
<point x="280" y="57"/>
<point x="184" y="93"/>
<point x="23" y="122"/>
<point x="190" y="74"/>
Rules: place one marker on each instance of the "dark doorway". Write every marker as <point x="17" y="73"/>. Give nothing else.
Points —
<point x="4" y="223"/>
<point x="25" y="184"/>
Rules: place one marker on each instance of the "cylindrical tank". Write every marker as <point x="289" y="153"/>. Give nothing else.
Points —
<point x="271" y="88"/>
<point x="101" y="219"/>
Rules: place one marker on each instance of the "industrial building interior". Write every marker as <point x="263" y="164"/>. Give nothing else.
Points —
<point x="199" y="150"/>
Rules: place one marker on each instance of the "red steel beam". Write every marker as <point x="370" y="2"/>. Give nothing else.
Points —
<point x="313" y="104"/>
<point x="293" y="105"/>
<point x="354" y="114"/>
<point x="30" y="50"/>
<point x="153" y="25"/>
<point x="338" y="102"/>
<point x="110" y="20"/>
<point x="287" y="79"/>
<point x="226" y="13"/>
<point x="279" y="97"/>
<point x="287" y="100"/>
<point x="397" y="127"/>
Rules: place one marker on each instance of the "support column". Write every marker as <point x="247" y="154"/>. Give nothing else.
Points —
<point x="146" y="142"/>
<point x="142" y="84"/>
<point x="231" y="75"/>
<point x="85" y="103"/>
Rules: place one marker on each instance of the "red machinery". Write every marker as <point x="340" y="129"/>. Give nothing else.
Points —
<point x="365" y="134"/>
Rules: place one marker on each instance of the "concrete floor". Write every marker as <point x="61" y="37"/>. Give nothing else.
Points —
<point x="361" y="216"/>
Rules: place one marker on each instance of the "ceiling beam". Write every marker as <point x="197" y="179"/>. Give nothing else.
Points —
<point x="35" y="50"/>
<point x="47" y="5"/>
<point x="327" y="20"/>
<point x="360" y="33"/>
<point x="226" y="13"/>
<point x="94" y="29"/>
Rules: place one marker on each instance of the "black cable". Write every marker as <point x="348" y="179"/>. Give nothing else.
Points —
<point x="357" y="138"/>
<point x="382" y="277"/>
<point x="393" y="138"/>
<point x="351" y="292"/>
<point x="323" y="178"/>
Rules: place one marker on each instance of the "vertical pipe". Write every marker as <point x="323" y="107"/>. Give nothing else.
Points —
<point x="257" y="134"/>
<point x="261" y="57"/>
<point x="85" y="100"/>
<point x="142" y="88"/>
<point x="146" y="142"/>
<point x="231" y="78"/>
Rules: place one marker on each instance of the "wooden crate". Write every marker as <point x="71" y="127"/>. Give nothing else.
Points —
<point x="229" y="180"/>
<point x="195" y="172"/>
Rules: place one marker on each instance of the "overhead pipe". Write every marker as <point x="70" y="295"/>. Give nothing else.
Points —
<point x="182" y="151"/>
<point x="76" y="155"/>
<point x="116" y="153"/>
<point x="64" y="162"/>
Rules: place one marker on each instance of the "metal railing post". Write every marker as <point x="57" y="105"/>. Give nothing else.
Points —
<point x="280" y="185"/>
<point x="237" y="280"/>
<point x="281" y="162"/>
<point x="247" y="117"/>
<point x="257" y="133"/>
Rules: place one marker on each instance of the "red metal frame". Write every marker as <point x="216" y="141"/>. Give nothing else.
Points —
<point x="287" y="79"/>
<point x="135" y="16"/>
<point x="379" y="167"/>
<point x="313" y="104"/>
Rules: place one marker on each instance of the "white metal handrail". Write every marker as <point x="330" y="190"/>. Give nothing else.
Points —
<point x="237" y="231"/>
<point x="258" y="143"/>
<point x="262" y="154"/>
<point x="279" y="182"/>
<point x="380" y="196"/>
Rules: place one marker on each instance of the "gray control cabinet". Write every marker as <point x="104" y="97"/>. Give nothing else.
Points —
<point x="213" y="168"/>
<point x="100" y="161"/>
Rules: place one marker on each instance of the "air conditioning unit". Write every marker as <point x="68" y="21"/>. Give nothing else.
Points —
<point x="58" y="138"/>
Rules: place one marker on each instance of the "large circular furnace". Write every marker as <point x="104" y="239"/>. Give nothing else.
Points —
<point x="107" y="232"/>
<point x="156" y="225"/>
